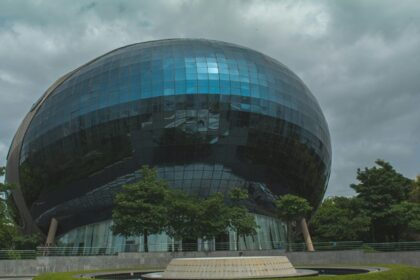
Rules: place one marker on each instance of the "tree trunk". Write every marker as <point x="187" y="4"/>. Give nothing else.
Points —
<point x="237" y="241"/>
<point x="372" y="233"/>
<point x="289" y="236"/>
<point x="146" y="247"/>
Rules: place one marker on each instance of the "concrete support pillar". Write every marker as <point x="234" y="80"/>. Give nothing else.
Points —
<point x="306" y="235"/>
<point x="199" y="243"/>
<point x="51" y="232"/>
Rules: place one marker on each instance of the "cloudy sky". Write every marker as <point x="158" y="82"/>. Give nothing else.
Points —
<point x="361" y="59"/>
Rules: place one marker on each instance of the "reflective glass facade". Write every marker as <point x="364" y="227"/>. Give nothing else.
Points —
<point x="208" y="115"/>
<point x="97" y="238"/>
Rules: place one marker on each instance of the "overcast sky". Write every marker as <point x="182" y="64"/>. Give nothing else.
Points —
<point x="361" y="59"/>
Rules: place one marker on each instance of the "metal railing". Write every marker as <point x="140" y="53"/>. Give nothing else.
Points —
<point x="327" y="246"/>
<point x="207" y="246"/>
<point x="17" y="254"/>
<point x="391" y="247"/>
<point x="226" y="246"/>
<point x="359" y="245"/>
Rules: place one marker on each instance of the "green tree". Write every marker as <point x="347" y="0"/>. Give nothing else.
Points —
<point x="11" y="237"/>
<point x="7" y="234"/>
<point x="4" y="190"/>
<point x="378" y="189"/>
<point x="414" y="195"/>
<point x="140" y="207"/>
<point x="241" y="221"/>
<point x="7" y="228"/>
<point x="291" y="208"/>
<point x="406" y="219"/>
<point x="340" y="219"/>
<point x="190" y="217"/>
<point x="213" y="217"/>
<point x="183" y="216"/>
<point x="238" y="195"/>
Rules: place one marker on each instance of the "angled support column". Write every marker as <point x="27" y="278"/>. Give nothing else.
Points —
<point x="306" y="235"/>
<point x="51" y="232"/>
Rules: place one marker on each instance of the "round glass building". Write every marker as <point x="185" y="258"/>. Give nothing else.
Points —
<point x="208" y="115"/>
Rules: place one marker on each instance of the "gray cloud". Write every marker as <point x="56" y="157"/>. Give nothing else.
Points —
<point x="360" y="58"/>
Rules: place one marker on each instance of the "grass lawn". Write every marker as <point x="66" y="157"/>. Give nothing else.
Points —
<point x="73" y="274"/>
<point x="395" y="272"/>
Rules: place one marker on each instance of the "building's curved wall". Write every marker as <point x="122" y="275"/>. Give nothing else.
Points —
<point x="209" y="115"/>
<point x="97" y="238"/>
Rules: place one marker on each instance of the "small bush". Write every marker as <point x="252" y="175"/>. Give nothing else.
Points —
<point x="368" y="249"/>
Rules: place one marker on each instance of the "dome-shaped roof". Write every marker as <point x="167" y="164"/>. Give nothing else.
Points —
<point x="180" y="66"/>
